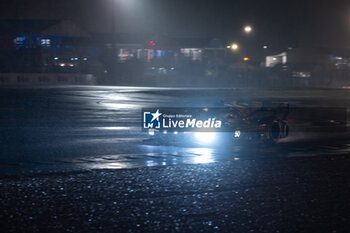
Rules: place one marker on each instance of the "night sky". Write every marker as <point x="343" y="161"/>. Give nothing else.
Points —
<point x="288" y="22"/>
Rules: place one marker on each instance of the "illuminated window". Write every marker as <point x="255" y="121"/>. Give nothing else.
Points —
<point x="193" y="53"/>
<point x="159" y="53"/>
<point x="45" y="42"/>
<point x="20" y="40"/>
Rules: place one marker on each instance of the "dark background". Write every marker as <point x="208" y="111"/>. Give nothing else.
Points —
<point x="294" y="22"/>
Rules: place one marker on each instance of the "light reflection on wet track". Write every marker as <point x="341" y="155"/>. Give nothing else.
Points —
<point x="56" y="129"/>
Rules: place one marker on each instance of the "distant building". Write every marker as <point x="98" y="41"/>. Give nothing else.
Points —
<point x="37" y="51"/>
<point x="148" y="48"/>
<point x="311" y="67"/>
<point x="155" y="55"/>
<point x="198" y="48"/>
<point x="44" y="47"/>
<point x="273" y="60"/>
<point x="302" y="62"/>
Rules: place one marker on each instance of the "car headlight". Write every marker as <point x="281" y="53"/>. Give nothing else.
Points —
<point x="205" y="137"/>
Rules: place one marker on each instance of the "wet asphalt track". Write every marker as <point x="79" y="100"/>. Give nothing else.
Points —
<point x="79" y="128"/>
<point x="279" y="195"/>
<point x="93" y="172"/>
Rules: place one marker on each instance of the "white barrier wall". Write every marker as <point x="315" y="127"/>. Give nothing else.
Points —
<point x="46" y="79"/>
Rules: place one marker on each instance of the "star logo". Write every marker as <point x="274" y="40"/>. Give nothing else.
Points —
<point x="156" y="115"/>
<point x="151" y="120"/>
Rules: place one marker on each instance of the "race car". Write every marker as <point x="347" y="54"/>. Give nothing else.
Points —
<point x="241" y="123"/>
<point x="268" y="124"/>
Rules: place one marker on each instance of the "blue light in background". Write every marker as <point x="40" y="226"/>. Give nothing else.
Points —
<point x="159" y="53"/>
